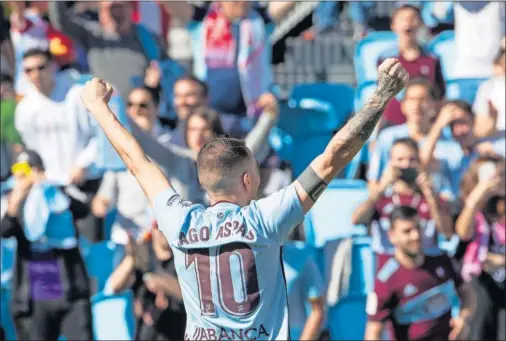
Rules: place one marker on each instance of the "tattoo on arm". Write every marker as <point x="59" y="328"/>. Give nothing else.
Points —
<point x="364" y="122"/>
<point x="312" y="183"/>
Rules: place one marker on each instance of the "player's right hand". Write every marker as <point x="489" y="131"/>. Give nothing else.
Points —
<point x="392" y="78"/>
<point x="96" y="92"/>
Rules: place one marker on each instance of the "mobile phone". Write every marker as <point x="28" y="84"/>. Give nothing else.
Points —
<point x="408" y="175"/>
<point x="486" y="171"/>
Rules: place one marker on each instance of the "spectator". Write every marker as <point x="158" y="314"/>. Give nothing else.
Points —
<point x="117" y="49"/>
<point x="179" y="164"/>
<point x="158" y="299"/>
<point x="418" y="106"/>
<point x="230" y="50"/>
<point x="305" y="287"/>
<point x="481" y="225"/>
<point x="50" y="284"/>
<point x="415" y="291"/>
<point x="52" y="121"/>
<point x="119" y="189"/>
<point x="406" y="23"/>
<point x="29" y="31"/>
<point x="190" y="93"/>
<point x="489" y="104"/>
<point x="7" y="55"/>
<point x="9" y="137"/>
<point x="404" y="183"/>
<point x="463" y="148"/>
<point x="479" y="27"/>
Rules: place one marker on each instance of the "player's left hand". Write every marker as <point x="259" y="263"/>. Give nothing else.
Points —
<point x="494" y="262"/>
<point x="460" y="329"/>
<point x="77" y="175"/>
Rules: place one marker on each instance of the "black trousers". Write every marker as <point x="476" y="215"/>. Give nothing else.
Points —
<point x="90" y="226"/>
<point x="50" y="319"/>
<point x="488" y="322"/>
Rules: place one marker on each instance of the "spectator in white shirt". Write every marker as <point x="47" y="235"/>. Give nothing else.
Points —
<point x="489" y="105"/>
<point x="52" y="121"/>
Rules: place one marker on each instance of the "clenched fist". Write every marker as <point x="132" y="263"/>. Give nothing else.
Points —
<point x="392" y="78"/>
<point x="96" y="92"/>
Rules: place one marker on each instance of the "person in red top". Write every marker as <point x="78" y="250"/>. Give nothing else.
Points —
<point x="406" y="23"/>
<point x="404" y="183"/>
<point x="414" y="291"/>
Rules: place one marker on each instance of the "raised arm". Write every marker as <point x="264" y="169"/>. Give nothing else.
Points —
<point x="68" y="22"/>
<point x="179" y="10"/>
<point x="349" y="140"/>
<point x="95" y="96"/>
<point x="258" y="138"/>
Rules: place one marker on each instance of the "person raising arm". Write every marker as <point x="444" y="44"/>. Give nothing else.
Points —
<point x="95" y="96"/>
<point x="343" y="147"/>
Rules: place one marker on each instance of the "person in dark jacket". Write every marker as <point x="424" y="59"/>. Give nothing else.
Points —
<point x="159" y="304"/>
<point x="51" y="294"/>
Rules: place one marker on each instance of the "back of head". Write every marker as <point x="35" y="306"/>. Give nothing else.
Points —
<point x="221" y="163"/>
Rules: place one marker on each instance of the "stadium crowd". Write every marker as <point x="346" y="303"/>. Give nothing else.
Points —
<point x="408" y="242"/>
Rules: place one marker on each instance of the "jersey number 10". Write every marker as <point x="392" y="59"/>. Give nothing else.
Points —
<point x="246" y="277"/>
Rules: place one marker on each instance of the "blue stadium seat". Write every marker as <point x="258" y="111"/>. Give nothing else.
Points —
<point x="113" y="316"/>
<point x="464" y="89"/>
<point x="347" y="318"/>
<point x="304" y="129"/>
<point x="101" y="260"/>
<point x="8" y="248"/>
<point x="330" y="218"/>
<point x="340" y="96"/>
<point x="443" y="46"/>
<point x="6" y="321"/>
<point x="369" y="51"/>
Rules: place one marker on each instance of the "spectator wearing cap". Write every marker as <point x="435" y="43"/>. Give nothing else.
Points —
<point x="29" y="30"/>
<point x="118" y="50"/>
<point x="50" y="291"/>
<point x="52" y="120"/>
<point x="463" y="148"/>
<point x="418" y="106"/>
<point x="490" y="102"/>
<point x="231" y="53"/>
<point x="406" y="23"/>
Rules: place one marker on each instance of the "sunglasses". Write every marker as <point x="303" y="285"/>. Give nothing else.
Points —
<point x="142" y="105"/>
<point x="39" y="68"/>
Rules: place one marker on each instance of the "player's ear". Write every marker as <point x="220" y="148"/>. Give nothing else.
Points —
<point x="246" y="181"/>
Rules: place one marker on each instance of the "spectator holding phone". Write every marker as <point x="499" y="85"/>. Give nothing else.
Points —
<point x="481" y="225"/>
<point x="159" y="303"/>
<point x="404" y="183"/>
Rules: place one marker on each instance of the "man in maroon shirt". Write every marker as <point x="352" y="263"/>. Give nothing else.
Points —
<point x="414" y="291"/>
<point x="406" y="23"/>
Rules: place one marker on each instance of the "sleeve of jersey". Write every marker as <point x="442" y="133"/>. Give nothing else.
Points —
<point x="278" y="214"/>
<point x="314" y="281"/>
<point x="379" y="303"/>
<point x="170" y="209"/>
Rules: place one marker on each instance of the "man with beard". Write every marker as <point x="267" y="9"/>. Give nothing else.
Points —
<point x="414" y="291"/>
